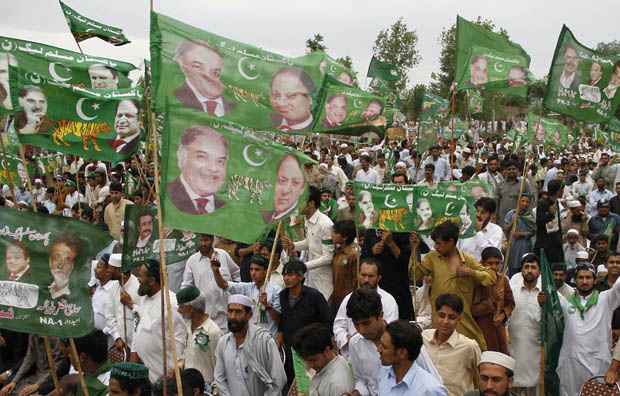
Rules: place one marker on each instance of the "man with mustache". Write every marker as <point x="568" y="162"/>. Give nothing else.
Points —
<point x="496" y="373"/>
<point x="127" y="127"/>
<point x="145" y="230"/>
<point x="291" y="99"/>
<point x="33" y="117"/>
<point x="63" y="253"/>
<point x="570" y="76"/>
<point x="102" y="77"/>
<point x="202" y="90"/>
<point x="247" y="359"/>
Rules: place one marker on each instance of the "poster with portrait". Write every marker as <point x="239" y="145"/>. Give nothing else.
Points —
<point x="582" y="83"/>
<point x="198" y="70"/>
<point x="433" y="107"/>
<point x="348" y="110"/>
<point x="94" y="124"/>
<point x="427" y="136"/>
<point x="45" y="264"/>
<point x="142" y="241"/>
<point x="549" y="132"/>
<point x="330" y="67"/>
<point x="38" y="63"/>
<point x="220" y="178"/>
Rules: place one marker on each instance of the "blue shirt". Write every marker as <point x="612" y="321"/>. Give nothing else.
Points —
<point x="416" y="382"/>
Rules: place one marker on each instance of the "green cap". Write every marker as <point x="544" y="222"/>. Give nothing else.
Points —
<point x="91" y="175"/>
<point x="131" y="371"/>
<point x="70" y="183"/>
<point x="187" y="295"/>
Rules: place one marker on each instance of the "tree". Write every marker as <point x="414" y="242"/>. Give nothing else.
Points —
<point x="412" y="101"/>
<point x="397" y="45"/>
<point x="348" y="63"/>
<point x="316" y="43"/>
<point x="611" y="48"/>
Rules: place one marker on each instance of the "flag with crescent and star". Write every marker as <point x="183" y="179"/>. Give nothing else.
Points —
<point x="224" y="179"/>
<point x="407" y="208"/>
<point x="582" y="82"/>
<point x="546" y="131"/>
<point x="433" y="107"/>
<point x="43" y="286"/>
<point x="489" y="60"/>
<point x="382" y="70"/>
<point x="83" y="28"/>
<point x="93" y="124"/>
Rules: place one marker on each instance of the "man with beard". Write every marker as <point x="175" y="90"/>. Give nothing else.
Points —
<point x="508" y="192"/>
<point x="548" y="230"/>
<point x="202" y="333"/>
<point x="335" y="111"/>
<point x="6" y="60"/>
<point x="559" y="280"/>
<point x="441" y="167"/>
<point x="368" y="278"/>
<point x="576" y="219"/>
<point x="605" y="170"/>
<point x="202" y="90"/>
<point x="127" y="127"/>
<point x="62" y="255"/>
<point x="604" y="223"/>
<point x="247" y="359"/>
<point x="291" y="99"/>
<point x="145" y="230"/>
<point x="373" y="110"/>
<point x="289" y="187"/>
<point x="106" y="271"/>
<point x="202" y="156"/>
<point x="496" y="374"/>
<point x="487" y="234"/>
<point x="587" y="336"/>
<point x="102" y="77"/>
<point x="570" y="79"/>
<point x="600" y="193"/>
<point x="114" y="212"/>
<point x="146" y="346"/>
<point x="492" y="176"/>
<point x="33" y="116"/>
<point x="122" y="303"/>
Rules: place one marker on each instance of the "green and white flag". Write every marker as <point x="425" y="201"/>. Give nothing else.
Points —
<point x="141" y="239"/>
<point x="551" y="328"/>
<point x="518" y="138"/>
<point x="221" y="179"/>
<point x="582" y="83"/>
<point x="382" y="70"/>
<point x="226" y="79"/>
<point x="39" y="63"/>
<point x="11" y="166"/>
<point x="82" y="28"/>
<point x="434" y="107"/>
<point x="409" y="208"/>
<point x="94" y="124"/>
<point x="474" y="101"/>
<point x="46" y="263"/>
<point x="488" y="60"/>
<point x="347" y="110"/>
<point x="459" y="126"/>
<point x="330" y="67"/>
<point x="426" y="137"/>
<point x="614" y="134"/>
<point x="546" y="131"/>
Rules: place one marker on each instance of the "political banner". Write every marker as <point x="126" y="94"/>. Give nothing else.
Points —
<point x="347" y="110"/>
<point x="489" y="60"/>
<point x="427" y="136"/>
<point x="406" y="208"/>
<point x="12" y="169"/>
<point x="141" y="239"/>
<point x="455" y="129"/>
<point x="546" y="131"/>
<point x="226" y="79"/>
<point x="94" y="124"/>
<point x="46" y="263"/>
<point x="382" y="70"/>
<point x="222" y="179"/>
<point x="434" y="107"/>
<point x="38" y="63"/>
<point x="82" y="28"/>
<point x="518" y="138"/>
<point x="582" y="82"/>
<point x="330" y="67"/>
<point x="474" y="101"/>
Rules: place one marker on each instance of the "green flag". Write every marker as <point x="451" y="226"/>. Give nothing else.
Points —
<point x="221" y="179"/>
<point x="82" y="28"/>
<point x="427" y="136"/>
<point x="518" y="138"/>
<point x="409" y="208"/>
<point x="235" y="81"/>
<point x="348" y="110"/>
<point x="488" y="60"/>
<point x="44" y="286"/>
<point x="551" y="327"/>
<point x="614" y="134"/>
<point x="459" y="126"/>
<point x="94" y="124"/>
<point x="330" y="67"/>
<point x="38" y="63"/>
<point x="382" y="70"/>
<point x="546" y="131"/>
<point x="582" y="83"/>
<point x="141" y="239"/>
<point x="434" y="107"/>
<point x="302" y="381"/>
<point x="474" y="101"/>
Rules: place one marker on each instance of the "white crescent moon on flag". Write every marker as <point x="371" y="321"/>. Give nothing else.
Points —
<point x="80" y="112"/>
<point x="388" y="200"/>
<point x="55" y="75"/>
<point x="246" y="157"/>
<point x="499" y="67"/>
<point x="356" y="103"/>
<point x="242" y="72"/>
<point x="449" y="208"/>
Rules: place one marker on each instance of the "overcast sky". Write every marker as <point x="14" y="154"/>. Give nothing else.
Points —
<point x="349" y="27"/>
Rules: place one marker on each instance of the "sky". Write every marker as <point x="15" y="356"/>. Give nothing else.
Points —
<point x="349" y="27"/>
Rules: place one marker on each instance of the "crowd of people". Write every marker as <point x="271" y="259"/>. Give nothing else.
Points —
<point x="367" y="311"/>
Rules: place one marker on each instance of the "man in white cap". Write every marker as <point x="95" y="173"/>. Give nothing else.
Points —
<point x="103" y="295"/>
<point x="577" y="219"/>
<point x="551" y="173"/>
<point x="466" y="158"/>
<point x="247" y="359"/>
<point x="38" y="191"/>
<point x="572" y="247"/>
<point x="496" y="372"/>
<point x="123" y="302"/>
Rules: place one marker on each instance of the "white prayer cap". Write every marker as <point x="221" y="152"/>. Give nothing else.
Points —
<point x="323" y="166"/>
<point x="601" y="269"/>
<point x="582" y="255"/>
<point x="240" y="299"/>
<point x="497" y="358"/>
<point x="572" y="231"/>
<point x="573" y="203"/>
<point x="38" y="181"/>
<point x="400" y="164"/>
<point x="94" y="263"/>
<point x="344" y="145"/>
<point x="467" y="150"/>
<point x="557" y="162"/>
<point x="115" y="260"/>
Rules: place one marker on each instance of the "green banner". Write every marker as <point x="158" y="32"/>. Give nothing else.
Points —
<point x="459" y="126"/>
<point x="11" y="166"/>
<point x="39" y="63"/>
<point x="84" y="28"/>
<point x="518" y="138"/>
<point x="47" y="262"/>
<point x="546" y="131"/>
<point x="427" y="136"/>
<point x="227" y="79"/>
<point x="221" y="179"/>
<point x="94" y="124"/>
<point x="409" y="208"/>
<point x="474" y="101"/>
<point x="434" y="107"/>
<point x="141" y="239"/>
<point x="582" y="83"/>
<point x="485" y="59"/>
<point x="551" y="328"/>
<point x="329" y="66"/>
<point x="348" y="110"/>
<point x="382" y="70"/>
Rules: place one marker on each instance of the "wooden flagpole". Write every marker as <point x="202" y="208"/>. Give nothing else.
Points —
<point x="78" y="366"/>
<point x="272" y="256"/>
<point x="513" y="227"/>
<point x="52" y="364"/>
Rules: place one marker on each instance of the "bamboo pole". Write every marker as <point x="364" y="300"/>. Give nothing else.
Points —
<point x="78" y="366"/>
<point x="513" y="227"/>
<point x="541" y="379"/>
<point x="272" y="256"/>
<point x="52" y="364"/>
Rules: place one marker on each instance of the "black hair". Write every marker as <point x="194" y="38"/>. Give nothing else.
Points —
<point x="487" y="204"/>
<point x="371" y="261"/>
<point x="363" y="304"/>
<point x="446" y="231"/>
<point x="554" y="186"/>
<point x="490" y="252"/>
<point x="314" y="195"/>
<point x="600" y="237"/>
<point x="91" y="346"/>
<point x="530" y="258"/>
<point x="558" y="267"/>
<point x="313" y="339"/>
<point x="429" y="166"/>
<point x="346" y="228"/>
<point x="468" y="170"/>
<point x="130" y="385"/>
<point x="400" y="174"/>
<point x="191" y="379"/>
<point x="405" y="335"/>
<point x="294" y="265"/>
<point x="453" y="301"/>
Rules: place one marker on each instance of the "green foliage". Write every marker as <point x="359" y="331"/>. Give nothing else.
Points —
<point x="316" y="43"/>
<point x="610" y="48"/>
